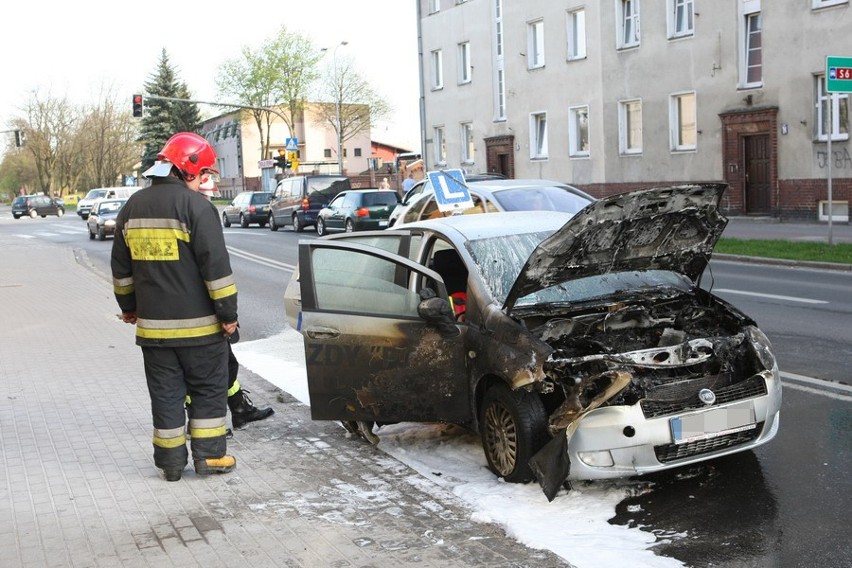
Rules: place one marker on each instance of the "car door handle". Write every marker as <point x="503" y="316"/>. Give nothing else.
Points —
<point x="322" y="333"/>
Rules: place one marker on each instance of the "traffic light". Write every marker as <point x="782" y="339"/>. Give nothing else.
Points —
<point x="19" y="138"/>
<point x="281" y="160"/>
<point x="138" y="106"/>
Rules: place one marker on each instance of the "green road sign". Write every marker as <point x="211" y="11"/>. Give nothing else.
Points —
<point x="838" y="74"/>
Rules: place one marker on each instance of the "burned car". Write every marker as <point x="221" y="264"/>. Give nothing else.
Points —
<point x="578" y="347"/>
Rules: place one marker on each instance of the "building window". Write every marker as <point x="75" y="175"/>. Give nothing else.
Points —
<point x="434" y="6"/>
<point x="327" y="153"/>
<point x="467" y="142"/>
<point x="577" y="34"/>
<point x="440" y="145"/>
<point x="839" y="112"/>
<point x="578" y="132"/>
<point x="826" y="3"/>
<point x="630" y="127"/>
<point x="680" y="21"/>
<point x="501" y="95"/>
<point x="499" y="64"/>
<point x="437" y="70"/>
<point x="357" y="152"/>
<point x="682" y="118"/>
<point x="535" y="44"/>
<point x="751" y="60"/>
<point x="628" y="23"/>
<point x="465" y="68"/>
<point x="538" y="136"/>
<point x="498" y="26"/>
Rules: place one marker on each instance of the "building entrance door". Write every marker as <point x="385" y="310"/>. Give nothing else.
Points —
<point x="757" y="183"/>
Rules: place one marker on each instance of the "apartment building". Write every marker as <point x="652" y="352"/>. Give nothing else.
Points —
<point x="618" y="95"/>
<point x="237" y="142"/>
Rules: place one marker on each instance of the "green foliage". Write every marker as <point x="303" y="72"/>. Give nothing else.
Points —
<point x="789" y="250"/>
<point x="164" y="118"/>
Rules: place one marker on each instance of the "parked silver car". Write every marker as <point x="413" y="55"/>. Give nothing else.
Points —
<point x="579" y="347"/>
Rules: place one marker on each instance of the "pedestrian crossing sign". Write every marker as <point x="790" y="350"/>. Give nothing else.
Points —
<point x="291" y="144"/>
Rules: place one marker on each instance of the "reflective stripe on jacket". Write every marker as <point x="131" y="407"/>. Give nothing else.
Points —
<point x="171" y="267"/>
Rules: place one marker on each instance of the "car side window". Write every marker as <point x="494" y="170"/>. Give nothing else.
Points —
<point x="337" y="201"/>
<point x="354" y="282"/>
<point x="296" y="188"/>
<point x="352" y="200"/>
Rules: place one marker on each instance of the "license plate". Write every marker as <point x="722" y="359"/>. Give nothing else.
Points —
<point x="383" y="223"/>
<point x="713" y="423"/>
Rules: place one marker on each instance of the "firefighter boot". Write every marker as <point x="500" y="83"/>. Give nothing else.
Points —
<point x="243" y="411"/>
<point x="209" y="466"/>
<point x="172" y="473"/>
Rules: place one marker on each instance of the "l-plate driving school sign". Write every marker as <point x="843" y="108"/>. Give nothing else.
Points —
<point x="451" y="191"/>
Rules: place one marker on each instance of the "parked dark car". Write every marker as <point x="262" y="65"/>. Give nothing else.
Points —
<point x="101" y="219"/>
<point x="585" y="347"/>
<point x="297" y="200"/>
<point x="357" y="210"/>
<point x="247" y="207"/>
<point x="35" y="206"/>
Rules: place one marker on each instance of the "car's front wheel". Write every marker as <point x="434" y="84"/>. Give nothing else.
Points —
<point x="33" y="213"/>
<point x="349" y="226"/>
<point x="320" y="228"/>
<point x="91" y="234"/>
<point x="513" y="427"/>
<point x="225" y="220"/>
<point x="60" y="212"/>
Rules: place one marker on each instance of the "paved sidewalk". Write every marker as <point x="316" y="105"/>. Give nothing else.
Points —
<point x="78" y="486"/>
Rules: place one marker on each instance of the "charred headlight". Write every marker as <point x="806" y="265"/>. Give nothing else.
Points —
<point x="762" y="347"/>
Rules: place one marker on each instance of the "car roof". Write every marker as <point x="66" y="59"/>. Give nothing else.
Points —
<point x="501" y="184"/>
<point x="474" y="227"/>
<point x="369" y="190"/>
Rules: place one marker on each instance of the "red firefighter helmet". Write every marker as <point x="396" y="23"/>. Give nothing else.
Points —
<point x="190" y="153"/>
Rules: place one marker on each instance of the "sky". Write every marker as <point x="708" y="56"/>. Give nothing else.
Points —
<point x="573" y="526"/>
<point x="79" y="49"/>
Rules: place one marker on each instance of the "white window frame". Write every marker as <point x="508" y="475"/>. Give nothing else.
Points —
<point x="437" y="70"/>
<point x="576" y="116"/>
<point x="627" y="145"/>
<point x="500" y="94"/>
<point x="749" y="12"/>
<point x="499" y="64"/>
<point x="538" y="135"/>
<point x="683" y="128"/>
<point x="535" y="44"/>
<point x="467" y="144"/>
<point x="627" y="24"/>
<point x="439" y="141"/>
<point x="465" y="66"/>
<point x="576" y="34"/>
<point x="434" y="6"/>
<point x="817" y="4"/>
<point x="839" y="107"/>
<point x="676" y="8"/>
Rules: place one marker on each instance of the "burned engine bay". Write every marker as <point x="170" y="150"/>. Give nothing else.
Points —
<point x="661" y="351"/>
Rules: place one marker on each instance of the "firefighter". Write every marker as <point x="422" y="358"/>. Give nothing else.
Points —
<point x="172" y="278"/>
<point x="242" y="409"/>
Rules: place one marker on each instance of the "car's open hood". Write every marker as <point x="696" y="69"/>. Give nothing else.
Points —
<point x="667" y="228"/>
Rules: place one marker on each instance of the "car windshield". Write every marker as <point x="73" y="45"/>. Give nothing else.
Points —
<point x="385" y="198"/>
<point x="109" y="207"/>
<point x="95" y="193"/>
<point x="500" y="260"/>
<point x="546" y="198"/>
<point x="20" y="201"/>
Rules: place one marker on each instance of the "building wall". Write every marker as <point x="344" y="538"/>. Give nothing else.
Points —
<point x="796" y="37"/>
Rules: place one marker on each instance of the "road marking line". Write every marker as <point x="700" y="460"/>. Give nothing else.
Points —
<point x="816" y="382"/>
<point x="837" y="396"/>
<point x="770" y="296"/>
<point x="261" y="260"/>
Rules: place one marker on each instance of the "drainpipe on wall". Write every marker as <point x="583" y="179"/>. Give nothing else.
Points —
<point x="422" y="89"/>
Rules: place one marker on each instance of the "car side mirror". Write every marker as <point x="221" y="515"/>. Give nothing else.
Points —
<point x="438" y="313"/>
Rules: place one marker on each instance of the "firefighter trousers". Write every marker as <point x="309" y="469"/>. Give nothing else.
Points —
<point x="200" y="372"/>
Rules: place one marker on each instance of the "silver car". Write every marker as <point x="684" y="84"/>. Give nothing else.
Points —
<point x="579" y="347"/>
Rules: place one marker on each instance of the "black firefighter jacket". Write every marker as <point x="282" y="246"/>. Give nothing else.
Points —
<point x="171" y="267"/>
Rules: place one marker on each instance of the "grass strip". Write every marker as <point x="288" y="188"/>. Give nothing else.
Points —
<point x="789" y="250"/>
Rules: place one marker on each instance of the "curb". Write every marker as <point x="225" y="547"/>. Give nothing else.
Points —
<point x="785" y="262"/>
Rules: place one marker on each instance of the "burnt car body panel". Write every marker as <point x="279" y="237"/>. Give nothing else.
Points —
<point x="625" y="372"/>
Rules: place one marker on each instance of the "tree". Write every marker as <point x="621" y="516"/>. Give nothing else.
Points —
<point x="347" y="101"/>
<point x="279" y="73"/>
<point x="163" y="118"/>
<point x="50" y="124"/>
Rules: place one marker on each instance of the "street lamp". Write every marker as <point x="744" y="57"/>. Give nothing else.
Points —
<point x="337" y="106"/>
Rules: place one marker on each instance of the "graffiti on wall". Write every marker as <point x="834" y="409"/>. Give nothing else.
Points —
<point x="842" y="160"/>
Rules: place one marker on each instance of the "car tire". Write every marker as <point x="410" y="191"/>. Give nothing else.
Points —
<point x="91" y="234"/>
<point x="16" y="216"/>
<point x="349" y="226"/>
<point x="243" y="221"/>
<point x="101" y="234"/>
<point x="60" y="212"/>
<point x="513" y="427"/>
<point x="225" y="221"/>
<point x="297" y="225"/>
<point x="33" y="213"/>
<point x="273" y="226"/>
<point x="320" y="228"/>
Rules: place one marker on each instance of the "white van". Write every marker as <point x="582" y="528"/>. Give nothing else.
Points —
<point x="84" y="206"/>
